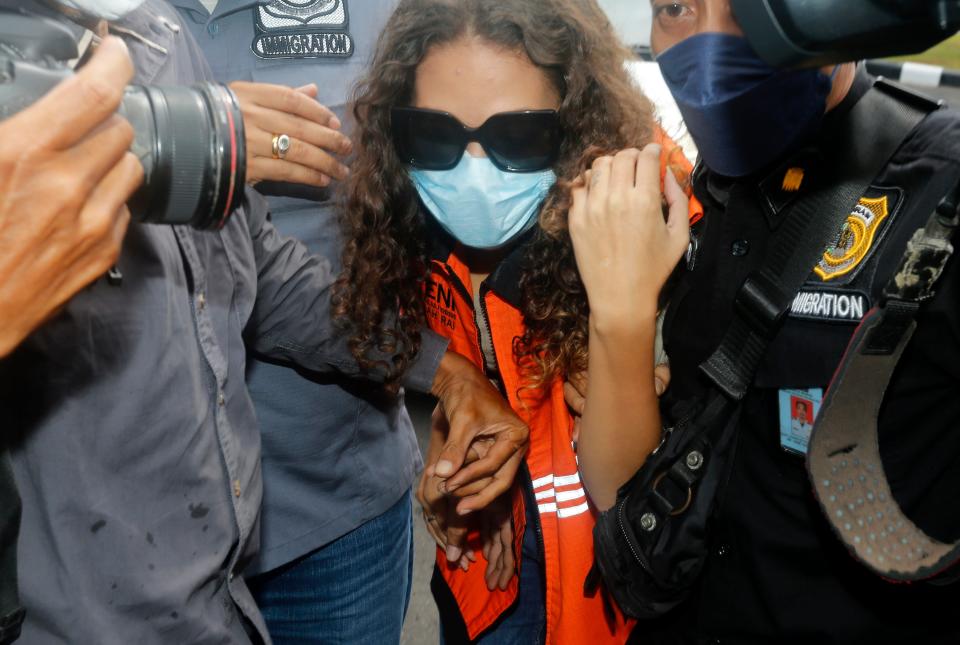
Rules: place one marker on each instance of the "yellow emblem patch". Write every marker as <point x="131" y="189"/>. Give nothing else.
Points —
<point x="854" y="240"/>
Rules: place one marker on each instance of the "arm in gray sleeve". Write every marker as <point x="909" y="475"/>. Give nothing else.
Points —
<point x="292" y="319"/>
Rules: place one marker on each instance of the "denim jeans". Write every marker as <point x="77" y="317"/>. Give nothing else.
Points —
<point x="354" y="590"/>
<point x="524" y="623"/>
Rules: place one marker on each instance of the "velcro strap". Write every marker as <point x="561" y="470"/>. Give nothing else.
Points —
<point x="847" y="472"/>
<point x="928" y="252"/>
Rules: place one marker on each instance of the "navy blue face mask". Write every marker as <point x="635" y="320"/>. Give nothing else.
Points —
<point x="742" y="113"/>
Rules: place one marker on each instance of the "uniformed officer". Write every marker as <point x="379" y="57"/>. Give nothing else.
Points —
<point x="776" y="573"/>
<point x="338" y="458"/>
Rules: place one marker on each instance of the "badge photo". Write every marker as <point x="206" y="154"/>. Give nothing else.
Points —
<point x="798" y="411"/>
<point x="302" y="29"/>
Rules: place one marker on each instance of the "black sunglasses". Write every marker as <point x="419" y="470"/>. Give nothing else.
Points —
<point x="514" y="141"/>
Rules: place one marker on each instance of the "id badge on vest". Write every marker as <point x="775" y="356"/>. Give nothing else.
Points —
<point x="798" y="411"/>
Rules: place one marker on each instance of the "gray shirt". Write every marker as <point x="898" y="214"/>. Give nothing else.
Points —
<point x="133" y="437"/>
<point x="335" y="455"/>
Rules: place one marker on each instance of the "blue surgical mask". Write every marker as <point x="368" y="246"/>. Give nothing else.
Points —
<point x="480" y="205"/>
<point x="742" y="113"/>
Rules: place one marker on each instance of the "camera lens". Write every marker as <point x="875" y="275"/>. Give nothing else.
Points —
<point x="191" y="143"/>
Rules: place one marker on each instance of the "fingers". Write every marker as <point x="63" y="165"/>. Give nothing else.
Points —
<point x="623" y="170"/>
<point x="599" y="188"/>
<point x="96" y="155"/>
<point x="310" y="89"/>
<point x="580" y="196"/>
<point x="420" y="493"/>
<point x="508" y="566"/>
<point x="264" y="168"/>
<point x="507" y="444"/>
<point x="447" y="530"/>
<point x="83" y="101"/>
<point x="486" y="535"/>
<point x="466" y="559"/>
<point x="286" y="100"/>
<point x="498" y="549"/>
<point x="434" y="507"/>
<point x="580" y="381"/>
<point x="575" y="400"/>
<point x="495" y="560"/>
<point x="502" y="481"/>
<point x="112" y="193"/>
<point x="269" y="110"/>
<point x="478" y="449"/>
<point x="104" y="218"/>
<point x="439" y="537"/>
<point x="472" y="488"/>
<point x="648" y="170"/>
<point x="268" y="122"/>
<point x="431" y="497"/>
<point x="316" y="153"/>
<point x="456" y="538"/>
<point x="661" y="378"/>
<point x="678" y="220"/>
<point x="452" y="457"/>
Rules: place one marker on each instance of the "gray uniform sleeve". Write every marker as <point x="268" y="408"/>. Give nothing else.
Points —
<point x="292" y="318"/>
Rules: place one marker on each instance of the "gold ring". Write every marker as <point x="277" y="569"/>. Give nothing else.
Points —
<point x="280" y="146"/>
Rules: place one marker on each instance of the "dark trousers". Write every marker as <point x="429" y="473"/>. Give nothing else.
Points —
<point x="11" y="615"/>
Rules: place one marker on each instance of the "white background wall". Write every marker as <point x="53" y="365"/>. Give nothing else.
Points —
<point x="631" y="18"/>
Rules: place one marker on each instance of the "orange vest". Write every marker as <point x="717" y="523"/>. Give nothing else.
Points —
<point x="566" y="517"/>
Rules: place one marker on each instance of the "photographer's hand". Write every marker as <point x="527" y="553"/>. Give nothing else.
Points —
<point x="315" y="140"/>
<point x="65" y="177"/>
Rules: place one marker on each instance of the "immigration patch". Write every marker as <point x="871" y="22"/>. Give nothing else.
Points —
<point x="302" y="29"/>
<point x="858" y="236"/>
<point x="830" y="306"/>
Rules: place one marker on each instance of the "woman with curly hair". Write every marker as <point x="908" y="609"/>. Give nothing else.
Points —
<point x="481" y="205"/>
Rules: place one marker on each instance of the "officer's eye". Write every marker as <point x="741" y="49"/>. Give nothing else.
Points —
<point x="670" y="11"/>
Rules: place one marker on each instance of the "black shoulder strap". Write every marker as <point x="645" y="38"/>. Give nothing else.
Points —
<point x="874" y="129"/>
<point x="844" y="458"/>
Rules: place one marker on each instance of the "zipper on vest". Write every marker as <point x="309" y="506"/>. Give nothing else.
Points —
<point x="527" y="480"/>
<point x="531" y="500"/>
<point x="485" y="321"/>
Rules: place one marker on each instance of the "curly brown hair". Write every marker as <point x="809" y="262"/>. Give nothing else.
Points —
<point x="379" y="296"/>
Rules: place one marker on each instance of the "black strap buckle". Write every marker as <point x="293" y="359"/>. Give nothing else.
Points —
<point x="758" y="303"/>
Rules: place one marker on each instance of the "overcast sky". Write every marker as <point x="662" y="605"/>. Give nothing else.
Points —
<point x="631" y="18"/>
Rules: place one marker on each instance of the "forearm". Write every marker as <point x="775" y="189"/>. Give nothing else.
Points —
<point x="620" y="426"/>
<point x="293" y="319"/>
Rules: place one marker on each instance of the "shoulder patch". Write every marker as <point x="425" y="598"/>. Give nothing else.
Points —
<point x="830" y="305"/>
<point x="859" y="235"/>
<point x="302" y="29"/>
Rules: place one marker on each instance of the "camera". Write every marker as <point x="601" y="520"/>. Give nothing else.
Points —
<point x="190" y="140"/>
<point x="789" y="33"/>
